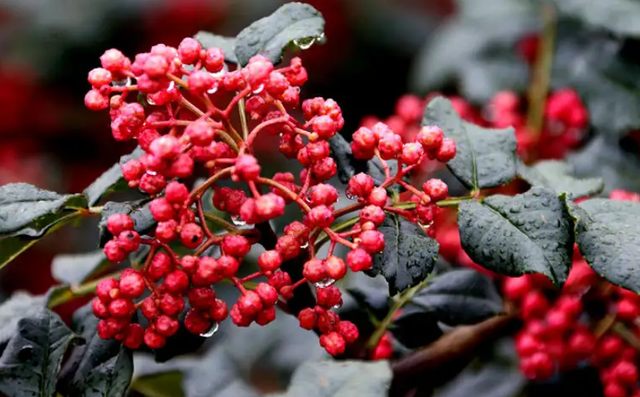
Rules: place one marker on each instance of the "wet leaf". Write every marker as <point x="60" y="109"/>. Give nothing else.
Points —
<point x="77" y="268"/>
<point x="226" y="44"/>
<point x="138" y="211"/>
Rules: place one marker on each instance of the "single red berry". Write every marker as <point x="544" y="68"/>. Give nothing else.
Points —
<point x="539" y="366"/>
<point x="372" y="213"/>
<point x="191" y="235"/>
<point x="613" y="389"/>
<point x="325" y="169"/>
<point x="113" y="252"/>
<point x="104" y="330"/>
<point x="609" y="347"/>
<point x="515" y="288"/>
<point x="128" y="241"/>
<point x="534" y="305"/>
<point x="99" y="309"/>
<point x="200" y="81"/>
<point x="227" y="266"/>
<point x="189" y="263"/>
<point x="181" y="167"/>
<point x="121" y="307"/>
<point x="196" y="322"/>
<point x="307" y="318"/>
<point x="582" y="343"/>
<point x="134" y="335"/>
<point x="348" y="330"/>
<point x="219" y="311"/>
<point x="360" y="185"/>
<point x="268" y="294"/>
<point x="412" y="152"/>
<point x="132" y="284"/>
<point x="213" y="59"/>
<point x="625" y="373"/>
<point x="288" y="247"/>
<point x="364" y="139"/>
<point x="153" y="339"/>
<point x="327" y="321"/>
<point x="167" y="231"/>
<point x="571" y="305"/>
<point x="314" y="270"/>
<point x="239" y="318"/>
<point x="176" y="193"/>
<point x="430" y="137"/>
<point x="333" y="343"/>
<point x="160" y="266"/>
<point x="166" y="326"/>
<point x="189" y="51"/>
<point x="234" y="245"/>
<point x="107" y="289"/>
<point x="378" y="197"/>
<point x="269" y="206"/>
<point x="152" y="184"/>
<point x="390" y="147"/>
<point x="258" y="70"/>
<point x="324" y="126"/>
<point x="96" y="101"/>
<point x="99" y="77"/>
<point x="201" y="298"/>
<point x="161" y="209"/>
<point x="320" y="216"/>
<point x="527" y="344"/>
<point x="247" y="168"/>
<point x="250" y="303"/>
<point x="270" y="260"/>
<point x="384" y="349"/>
<point x="206" y="272"/>
<point x="436" y="189"/>
<point x="328" y="297"/>
<point x="558" y="322"/>
<point x="117" y="223"/>
<point x="280" y="280"/>
<point x="335" y="267"/>
<point x="359" y="260"/>
<point x="149" y="308"/>
<point x="372" y="241"/>
<point x="447" y="151"/>
<point x="627" y="310"/>
<point x="265" y="316"/>
<point x="176" y="282"/>
<point x="171" y="305"/>
<point x="298" y="230"/>
<point x="323" y="194"/>
<point x="156" y="66"/>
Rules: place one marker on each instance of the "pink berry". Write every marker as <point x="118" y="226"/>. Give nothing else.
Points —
<point x="267" y="293"/>
<point x="132" y="284"/>
<point x="250" y="303"/>
<point x="314" y="270"/>
<point x="447" y="151"/>
<point x="191" y="235"/>
<point x="270" y="260"/>
<point x="372" y="241"/>
<point x="359" y="260"/>
<point x="335" y="267"/>
<point x="430" y="137"/>
<point x="189" y="51"/>
<point x="234" y="245"/>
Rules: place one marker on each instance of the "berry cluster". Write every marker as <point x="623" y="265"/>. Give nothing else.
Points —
<point x="181" y="104"/>
<point x="580" y="324"/>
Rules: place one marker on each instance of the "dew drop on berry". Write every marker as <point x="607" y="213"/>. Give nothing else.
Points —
<point x="122" y="83"/>
<point x="211" y="331"/>
<point x="337" y="306"/>
<point x="305" y="245"/>
<point x="304" y="43"/>
<point x="213" y="90"/>
<point x="237" y="220"/>
<point x="150" y="101"/>
<point x="350" y="196"/>
<point x="259" y="89"/>
<point x="425" y="226"/>
<point x="325" y="283"/>
<point x="150" y="172"/>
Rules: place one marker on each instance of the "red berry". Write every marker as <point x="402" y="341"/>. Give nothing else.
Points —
<point x="558" y="322"/>
<point x="200" y="82"/>
<point x="430" y="137"/>
<point x="372" y="241"/>
<point x="324" y="126"/>
<point x="612" y="389"/>
<point x="191" y="235"/>
<point x="320" y="216"/>
<point x="582" y="343"/>
<point x="609" y="347"/>
<point x="104" y="330"/>
<point x="412" y="153"/>
<point x="627" y="310"/>
<point x="160" y="266"/>
<point x="171" y="305"/>
<point x="328" y="297"/>
<point x="515" y="288"/>
<point x="270" y="260"/>
<point x="107" y="289"/>
<point x="201" y="298"/>
<point x="228" y="266"/>
<point x="372" y="213"/>
<point x="325" y="169"/>
<point x="314" y="270"/>
<point x="113" y="252"/>
<point x="534" y="305"/>
<point x="307" y="318"/>
<point x="176" y="193"/>
<point x="161" y="209"/>
<point x="129" y="241"/>
<point x="360" y="185"/>
<point x="176" y="282"/>
<point x="436" y="189"/>
<point x="152" y="184"/>
<point x="134" y="336"/>
<point x="527" y="344"/>
<point x="335" y="267"/>
<point x="384" y="349"/>
<point x="348" y="330"/>
<point x="390" y="147"/>
<point x="189" y="51"/>
<point x="239" y="318"/>
<point x="149" y="308"/>
<point x="196" y="322"/>
<point x="234" y="245"/>
<point x="247" y="168"/>
<point x="117" y="223"/>
<point x="268" y="294"/>
<point x="333" y="343"/>
<point x="288" y="247"/>
<point x="99" y="77"/>
<point x="359" y="260"/>
<point x="625" y="373"/>
<point x="121" y="307"/>
<point x="323" y="194"/>
<point x="166" y="326"/>
<point x="219" y="311"/>
<point x="266" y="316"/>
<point x="327" y="321"/>
<point x="447" y="151"/>
<point x="250" y="303"/>
<point x="280" y="280"/>
<point x="378" y="197"/>
<point x="167" y="231"/>
<point x="269" y="206"/>
<point x="539" y="366"/>
<point x="132" y="284"/>
<point x="99" y="309"/>
<point x="153" y="339"/>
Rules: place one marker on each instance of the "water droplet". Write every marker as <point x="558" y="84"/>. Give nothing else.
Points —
<point x="237" y="220"/>
<point x="425" y="226"/>
<point x="305" y="43"/>
<point x="337" y="305"/>
<point x="325" y="283"/>
<point x="259" y="89"/>
<point x="172" y="85"/>
<point x="150" y="101"/>
<point x="350" y="196"/>
<point x="213" y="90"/>
<point x="321" y="39"/>
<point x="122" y="83"/>
<point x="211" y="331"/>
<point x="305" y="245"/>
<point x="150" y="172"/>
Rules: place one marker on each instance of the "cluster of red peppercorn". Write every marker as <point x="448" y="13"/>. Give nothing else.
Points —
<point x="579" y="324"/>
<point x="565" y="122"/>
<point x="185" y="121"/>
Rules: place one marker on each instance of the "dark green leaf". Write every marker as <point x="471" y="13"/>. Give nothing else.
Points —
<point x="527" y="233"/>
<point x="608" y="236"/>
<point x="415" y="328"/>
<point x="374" y="299"/>
<point x="226" y="44"/>
<point x="26" y="210"/>
<point x="137" y="210"/>
<point x="293" y="22"/>
<point x="340" y="379"/>
<point x="485" y="157"/>
<point x="341" y="153"/>
<point x="99" y="367"/>
<point x="603" y="158"/>
<point x="559" y="176"/>
<point x="111" y="180"/>
<point x="19" y="305"/>
<point x="29" y="365"/>
<point x="618" y="16"/>
<point x="409" y="255"/>
<point x="77" y="268"/>
<point x="590" y="63"/>
<point x="459" y="297"/>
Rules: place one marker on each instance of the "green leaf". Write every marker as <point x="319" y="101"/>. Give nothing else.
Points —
<point x="19" y="305"/>
<point x="77" y="268"/>
<point x="458" y="297"/>
<point x="415" y="328"/>
<point x="138" y="211"/>
<point x="99" y="367"/>
<point x="165" y="384"/>
<point x="293" y="22"/>
<point x="527" y="233"/>
<point x="26" y="210"/>
<point x="603" y="158"/>
<point x="340" y="379"/>
<point x="408" y="257"/>
<point x="30" y="363"/>
<point x="559" y="176"/>
<point x="111" y="180"/>
<point x="617" y="16"/>
<point x="341" y="153"/>
<point x="226" y="44"/>
<point x="608" y="236"/>
<point x="485" y="157"/>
